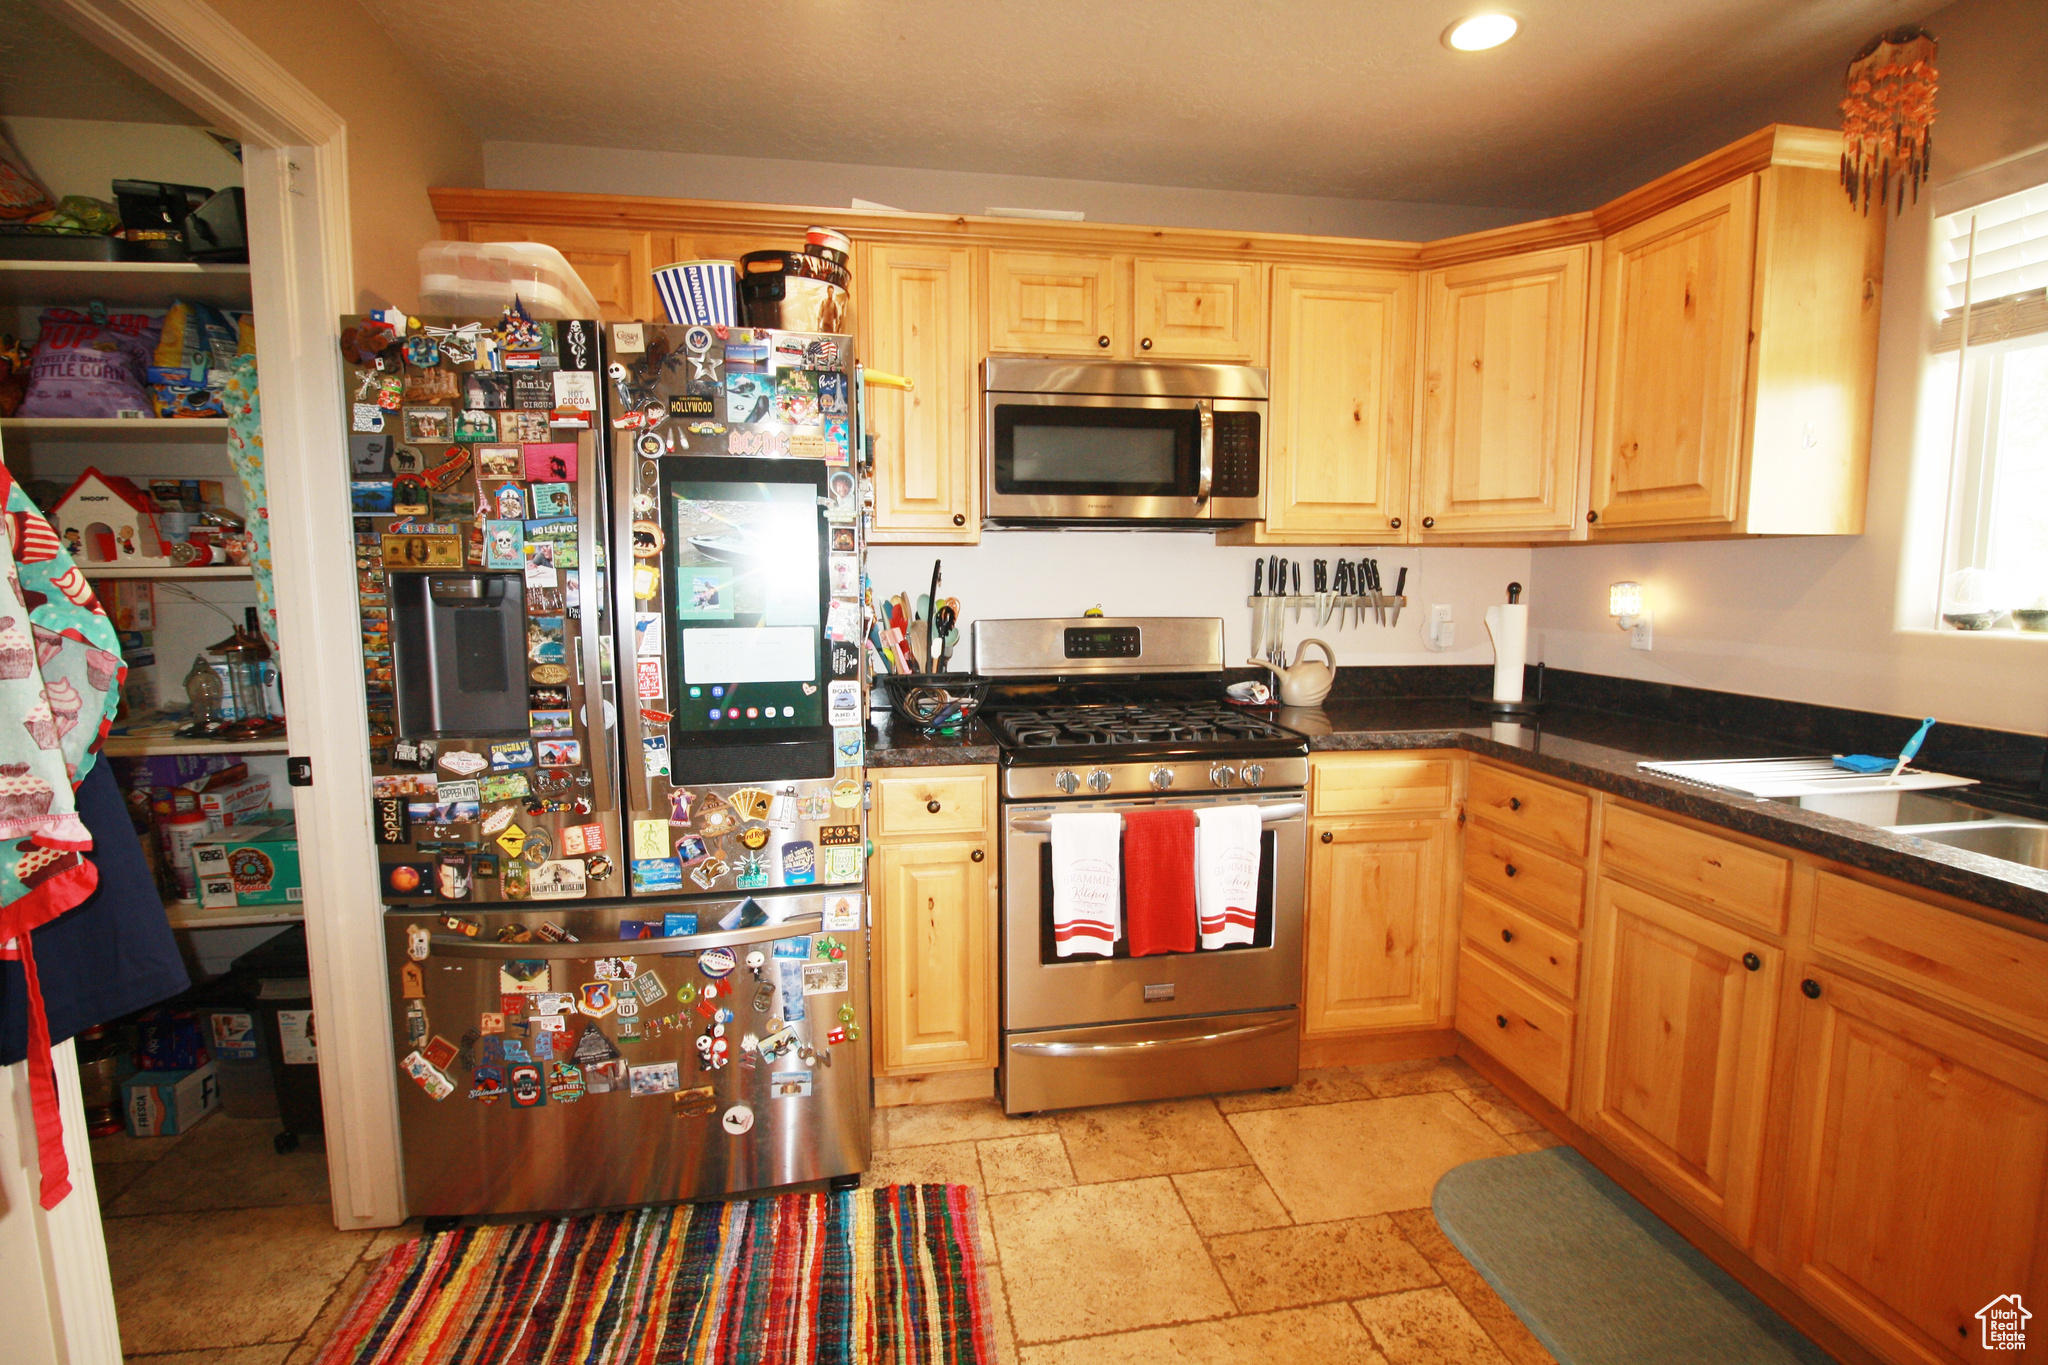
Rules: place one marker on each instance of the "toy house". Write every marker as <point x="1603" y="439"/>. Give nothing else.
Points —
<point x="105" y="519"/>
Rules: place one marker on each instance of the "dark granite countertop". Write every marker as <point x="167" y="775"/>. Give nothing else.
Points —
<point x="1601" y="750"/>
<point x="892" y="744"/>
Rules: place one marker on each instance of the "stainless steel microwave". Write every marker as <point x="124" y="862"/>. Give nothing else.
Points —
<point x="1069" y="442"/>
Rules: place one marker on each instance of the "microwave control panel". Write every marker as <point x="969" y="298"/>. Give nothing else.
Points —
<point x="1237" y="455"/>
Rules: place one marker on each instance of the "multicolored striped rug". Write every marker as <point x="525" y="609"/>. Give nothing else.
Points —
<point x="888" y="1275"/>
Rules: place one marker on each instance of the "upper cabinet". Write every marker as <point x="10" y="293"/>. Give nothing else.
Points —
<point x="1055" y="305"/>
<point x="1198" y="310"/>
<point x="617" y="263"/>
<point x="1737" y="362"/>
<point x="1503" y="381"/>
<point x="917" y="321"/>
<point x="1343" y="369"/>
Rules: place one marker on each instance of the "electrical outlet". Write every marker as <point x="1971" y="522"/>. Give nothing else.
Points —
<point x="1443" y="631"/>
<point x="1639" y="633"/>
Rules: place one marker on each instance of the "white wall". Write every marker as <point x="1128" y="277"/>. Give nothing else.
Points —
<point x="1159" y="573"/>
<point x="82" y="156"/>
<point x="1843" y="621"/>
<point x="688" y="175"/>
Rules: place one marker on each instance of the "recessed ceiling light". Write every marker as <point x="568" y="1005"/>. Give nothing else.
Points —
<point x="1480" y="32"/>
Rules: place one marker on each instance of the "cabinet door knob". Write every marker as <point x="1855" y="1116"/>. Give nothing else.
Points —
<point x="1592" y="517"/>
<point x="1428" y="522"/>
<point x="1514" y="803"/>
<point x="1103" y="342"/>
<point x="1810" y="988"/>
<point x="1394" y="522"/>
<point x="1752" y="961"/>
<point x="959" y="519"/>
<point x="1511" y="869"/>
<point x="977" y="855"/>
<point x="1329" y="838"/>
<point x="1501" y="1020"/>
<point x="1145" y="344"/>
<point x="1507" y="936"/>
<point x="932" y="806"/>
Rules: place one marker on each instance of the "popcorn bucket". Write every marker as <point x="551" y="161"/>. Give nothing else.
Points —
<point x="705" y="292"/>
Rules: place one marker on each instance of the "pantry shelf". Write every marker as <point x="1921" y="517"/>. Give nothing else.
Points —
<point x="189" y="914"/>
<point x="167" y="575"/>
<point x="140" y="746"/>
<point x="155" y="430"/>
<point x="123" y="284"/>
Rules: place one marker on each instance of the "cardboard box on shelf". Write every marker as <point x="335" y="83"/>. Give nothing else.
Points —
<point x="165" y="1103"/>
<point x="231" y="805"/>
<point x="130" y="603"/>
<point x="256" y="864"/>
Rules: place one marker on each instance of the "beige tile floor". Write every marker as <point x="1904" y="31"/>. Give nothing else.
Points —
<point x="1289" y="1225"/>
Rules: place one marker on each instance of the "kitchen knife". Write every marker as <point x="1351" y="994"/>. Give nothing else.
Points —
<point x="1297" y="590"/>
<point x="1400" y="591"/>
<point x="1372" y="585"/>
<point x="1258" y="607"/>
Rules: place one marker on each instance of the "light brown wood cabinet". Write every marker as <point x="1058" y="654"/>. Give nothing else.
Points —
<point x="617" y="263"/>
<point x="1116" y="307"/>
<point x="1198" y="310"/>
<point x="1342" y="408"/>
<point x="1737" y="362"/>
<point x="1681" y="1020"/>
<point x="1503" y="393"/>
<point x="933" y="944"/>
<point x="1917" y="1175"/>
<point x="1041" y="303"/>
<point x="917" y="320"/>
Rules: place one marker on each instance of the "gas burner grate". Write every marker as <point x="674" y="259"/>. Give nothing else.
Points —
<point x="1115" y="724"/>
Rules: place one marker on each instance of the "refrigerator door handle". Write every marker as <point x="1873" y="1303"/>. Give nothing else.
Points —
<point x="600" y="741"/>
<point x="456" y="945"/>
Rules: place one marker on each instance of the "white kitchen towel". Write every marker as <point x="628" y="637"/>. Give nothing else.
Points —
<point x="1087" y="883"/>
<point x="1227" y="874"/>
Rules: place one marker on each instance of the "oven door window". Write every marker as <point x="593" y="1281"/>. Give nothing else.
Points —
<point x="1099" y="451"/>
<point x="1262" y="933"/>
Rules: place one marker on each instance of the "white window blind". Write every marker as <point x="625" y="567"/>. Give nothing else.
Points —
<point x="2000" y="269"/>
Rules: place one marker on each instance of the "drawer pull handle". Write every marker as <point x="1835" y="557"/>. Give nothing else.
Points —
<point x="1329" y="838"/>
<point x="1103" y="342"/>
<point x="977" y="855"/>
<point x="959" y="519"/>
<point x="1512" y="869"/>
<point x="1501" y="1019"/>
<point x="1810" y="988"/>
<point x="1514" y="803"/>
<point x="932" y="805"/>
<point x="1752" y="961"/>
<point x="1507" y="936"/>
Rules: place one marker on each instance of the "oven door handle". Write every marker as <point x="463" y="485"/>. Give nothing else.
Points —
<point x="1205" y="413"/>
<point x="1268" y="815"/>
<point x="1154" y="1044"/>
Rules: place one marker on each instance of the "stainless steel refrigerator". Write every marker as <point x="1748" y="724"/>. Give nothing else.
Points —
<point x="635" y="969"/>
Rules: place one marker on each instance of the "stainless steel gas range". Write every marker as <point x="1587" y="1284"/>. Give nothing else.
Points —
<point x="1119" y="714"/>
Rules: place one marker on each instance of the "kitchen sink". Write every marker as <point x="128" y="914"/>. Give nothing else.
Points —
<point x="2016" y="841"/>
<point x="1891" y="809"/>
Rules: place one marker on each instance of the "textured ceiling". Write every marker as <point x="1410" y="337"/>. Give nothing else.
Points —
<point x="48" y="71"/>
<point x="1357" y="99"/>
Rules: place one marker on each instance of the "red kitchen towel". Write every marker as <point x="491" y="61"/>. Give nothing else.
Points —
<point x="1159" y="881"/>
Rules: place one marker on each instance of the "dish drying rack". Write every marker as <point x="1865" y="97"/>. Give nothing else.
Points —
<point x="1766" y="778"/>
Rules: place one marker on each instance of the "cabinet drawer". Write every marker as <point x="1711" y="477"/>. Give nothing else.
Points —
<point x="909" y="807"/>
<point x="1737" y="880"/>
<point x="1378" y="785"/>
<point x="1529" y="809"/>
<point x="1543" y="952"/>
<point x="1528" y="1032"/>
<point x="1542" y="882"/>
<point x="1998" y="973"/>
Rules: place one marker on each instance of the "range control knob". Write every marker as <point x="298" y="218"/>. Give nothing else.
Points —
<point x="1099" y="780"/>
<point x="1253" y="774"/>
<point x="1161" y="778"/>
<point x="1067" y="780"/>
<point x="1222" y="775"/>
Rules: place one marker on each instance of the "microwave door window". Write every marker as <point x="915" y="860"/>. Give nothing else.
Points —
<point x="746" y="602"/>
<point x="1130" y="452"/>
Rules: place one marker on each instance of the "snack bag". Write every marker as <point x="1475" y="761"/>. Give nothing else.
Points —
<point x="22" y="192"/>
<point x="88" y="368"/>
<point x="14" y="363"/>
<point x="192" y="362"/>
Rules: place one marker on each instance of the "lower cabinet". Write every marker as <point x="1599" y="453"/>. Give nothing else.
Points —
<point x="1681" y="1015"/>
<point x="1917" y="1173"/>
<point x="1377" y="919"/>
<point x="932" y="946"/>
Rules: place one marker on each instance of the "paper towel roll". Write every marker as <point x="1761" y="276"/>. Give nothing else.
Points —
<point x="1509" y="626"/>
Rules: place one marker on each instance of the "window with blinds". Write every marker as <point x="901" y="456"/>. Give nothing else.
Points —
<point x="1996" y="278"/>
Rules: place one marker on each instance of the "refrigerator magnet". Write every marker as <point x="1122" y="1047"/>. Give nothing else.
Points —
<point x="594" y="998"/>
<point x="527" y="1092"/>
<point x="428" y="1076"/>
<point x="565" y="1083"/>
<point x="558" y="753"/>
<point x="512" y="753"/>
<point x="558" y="879"/>
<point x="657" y="1078"/>
<point x="474" y="428"/>
<point x="695" y="1102"/>
<point x="790" y="1085"/>
<point x="842" y="914"/>
<point x="845" y="575"/>
<point x="488" y="1084"/>
<point x="799" y="864"/>
<point x="843" y="703"/>
<point x="650" y="839"/>
<point x="737" y="1120"/>
<point x="647" y="635"/>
